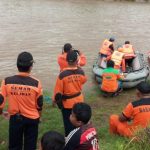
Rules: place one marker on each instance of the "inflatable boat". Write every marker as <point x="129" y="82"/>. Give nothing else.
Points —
<point x="139" y="71"/>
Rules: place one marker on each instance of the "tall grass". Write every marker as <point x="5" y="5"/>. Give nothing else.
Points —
<point x="141" y="140"/>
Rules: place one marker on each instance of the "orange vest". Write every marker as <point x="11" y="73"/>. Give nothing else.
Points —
<point x="109" y="82"/>
<point x="128" y="49"/>
<point x="105" y="47"/>
<point x="117" y="58"/>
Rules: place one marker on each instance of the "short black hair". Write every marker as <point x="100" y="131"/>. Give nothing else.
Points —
<point x="110" y="63"/>
<point x="112" y="39"/>
<point x="143" y="87"/>
<point x="67" y="47"/>
<point x="127" y="42"/>
<point x="52" y="140"/>
<point x="82" y="112"/>
<point x="24" y="61"/>
<point x="71" y="56"/>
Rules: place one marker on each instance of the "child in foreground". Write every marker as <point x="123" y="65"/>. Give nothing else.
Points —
<point x="52" y="140"/>
<point x="84" y="137"/>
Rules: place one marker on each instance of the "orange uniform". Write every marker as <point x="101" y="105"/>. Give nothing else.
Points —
<point x="69" y="83"/>
<point x="110" y="79"/>
<point x="105" y="47"/>
<point x="138" y="112"/>
<point x="24" y="94"/>
<point x="64" y="64"/>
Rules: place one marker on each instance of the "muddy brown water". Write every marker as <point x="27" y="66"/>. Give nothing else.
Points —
<point x="43" y="26"/>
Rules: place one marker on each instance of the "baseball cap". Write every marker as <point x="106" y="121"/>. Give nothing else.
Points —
<point x="72" y="56"/>
<point x="25" y="59"/>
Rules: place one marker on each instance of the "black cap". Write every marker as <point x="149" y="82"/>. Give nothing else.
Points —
<point x="72" y="56"/>
<point x="144" y="87"/>
<point x="25" y="59"/>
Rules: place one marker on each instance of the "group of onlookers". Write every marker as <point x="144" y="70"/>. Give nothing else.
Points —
<point x="25" y="103"/>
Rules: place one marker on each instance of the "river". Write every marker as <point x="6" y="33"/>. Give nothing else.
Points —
<point x="42" y="27"/>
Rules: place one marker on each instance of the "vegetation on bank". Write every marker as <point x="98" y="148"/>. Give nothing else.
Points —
<point x="102" y="108"/>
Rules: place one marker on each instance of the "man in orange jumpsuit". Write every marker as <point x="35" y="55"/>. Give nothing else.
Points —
<point x="68" y="88"/>
<point x="137" y="111"/>
<point x="62" y="57"/>
<point x="25" y="101"/>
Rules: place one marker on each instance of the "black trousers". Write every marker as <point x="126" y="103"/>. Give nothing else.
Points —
<point x="23" y="133"/>
<point x="67" y="124"/>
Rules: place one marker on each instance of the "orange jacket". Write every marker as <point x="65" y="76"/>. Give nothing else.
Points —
<point x="62" y="61"/>
<point x="24" y="94"/>
<point x="69" y="82"/>
<point x="139" y="112"/>
<point x="64" y="64"/>
<point x="105" y="47"/>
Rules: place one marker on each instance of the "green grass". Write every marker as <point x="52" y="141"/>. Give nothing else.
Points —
<point x="102" y="108"/>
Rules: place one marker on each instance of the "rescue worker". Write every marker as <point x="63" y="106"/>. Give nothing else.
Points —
<point x="128" y="51"/>
<point x="110" y="79"/>
<point x="84" y="137"/>
<point x="106" y="50"/>
<point x="107" y="47"/>
<point x="62" y="57"/>
<point x="118" y="58"/>
<point x="25" y="101"/>
<point x="68" y="89"/>
<point x="137" y="111"/>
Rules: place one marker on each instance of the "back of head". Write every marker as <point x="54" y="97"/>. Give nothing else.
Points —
<point x="110" y="63"/>
<point x="143" y="87"/>
<point x="82" y="112"/>
<point x="24" y="61"/>
<point x="127" y="42"/>
<point x="72" y="57"/>
<point x="67" y="47"/>
<point x="52" y="141"/>
<point x="112" y="39"/>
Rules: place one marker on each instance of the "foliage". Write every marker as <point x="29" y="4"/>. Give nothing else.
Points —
<point x="141" y="140"/>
